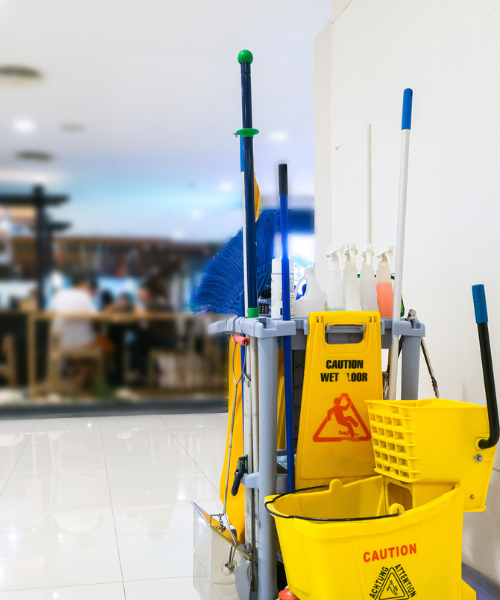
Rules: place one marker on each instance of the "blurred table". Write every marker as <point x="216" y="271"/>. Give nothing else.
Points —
<point x="115" y="319"/>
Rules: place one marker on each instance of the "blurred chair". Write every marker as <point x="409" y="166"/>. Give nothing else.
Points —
<point x="8" y="370"/>
<point x="181" y="358"/>
<point x="213" y="355"/>
<point x="57" y="356"/>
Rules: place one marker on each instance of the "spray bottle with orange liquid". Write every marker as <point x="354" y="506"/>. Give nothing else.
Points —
<point x="385" y="292"/>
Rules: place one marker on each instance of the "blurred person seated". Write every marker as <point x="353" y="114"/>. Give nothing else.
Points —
<point x="78" y="334"/>
<point x="119" y="337"/>
<point x="124" y="304"/>
<point x="152" y="297"/>
<point x="106" y="299"/>
<point x="75" y="300"/>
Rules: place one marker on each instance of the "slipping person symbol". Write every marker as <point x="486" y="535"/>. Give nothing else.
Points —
<point x="392" y="588"/>
<point x="345" y="421"/>
<point x="340" y="423"/>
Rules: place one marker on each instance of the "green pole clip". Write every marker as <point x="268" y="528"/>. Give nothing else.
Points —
<point x="247" y="132"/>
<point x="252" y="313"/>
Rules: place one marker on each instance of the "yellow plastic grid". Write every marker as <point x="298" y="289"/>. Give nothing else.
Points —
<point x="394" y="452"/>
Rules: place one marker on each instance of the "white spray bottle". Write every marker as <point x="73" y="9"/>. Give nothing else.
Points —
<point x="352" y="299"/>
<point x="313" y="299"/>
<point x="385" y="292"/>
<point x="367" y="282"/>
<point x="333" y="283"/>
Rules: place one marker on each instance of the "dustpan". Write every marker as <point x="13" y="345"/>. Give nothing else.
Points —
<point x="222" y="568"/>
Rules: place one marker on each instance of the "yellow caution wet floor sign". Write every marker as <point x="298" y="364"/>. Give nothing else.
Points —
<point x="334" y="434"/>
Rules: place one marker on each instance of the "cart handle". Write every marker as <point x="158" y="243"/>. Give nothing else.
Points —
<point x="318" y="519"/>
<point x="481" y="312"/>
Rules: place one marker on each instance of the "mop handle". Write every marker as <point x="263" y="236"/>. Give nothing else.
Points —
<point x="481" y="312"/>
<point x="285" y="263"/>
<point x="400" y="242"/>
<point x="287" y="340"/>
<point x="245" y="59"/>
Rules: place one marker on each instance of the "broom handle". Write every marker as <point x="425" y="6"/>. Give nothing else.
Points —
<point x="245" y="59"/>
<point x="400" y="242"/>
<point x="287" y="340"/>
<point x="245" y="287"/>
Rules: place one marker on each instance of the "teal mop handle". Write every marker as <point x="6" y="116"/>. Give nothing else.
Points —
<point x="245" y="59"/>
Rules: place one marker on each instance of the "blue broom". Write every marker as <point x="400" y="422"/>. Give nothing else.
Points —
<point x="222" y="287"/>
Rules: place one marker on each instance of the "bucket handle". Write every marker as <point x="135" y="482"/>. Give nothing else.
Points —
<point x="318" y="519"/>
<point x="481" y="313"/>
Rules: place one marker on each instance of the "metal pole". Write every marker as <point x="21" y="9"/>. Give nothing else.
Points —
<point x="268" y="401"/>
<point x="287" y="340"/>
<point x="247" y="447"/>
<point x="410" y="367"/>
<point x="49" y="244"/>
<point x="251" y="516"/>
<point x="40" y="246"/>
<point x="245" y="59"/>
<point x="400" y="243"/>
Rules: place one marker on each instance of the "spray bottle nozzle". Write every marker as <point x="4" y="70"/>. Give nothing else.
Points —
<point x="351" y="252"/>
<point x="368" y="253"/>
<point x="385" y="254"/>
<point x="334" y="253"/>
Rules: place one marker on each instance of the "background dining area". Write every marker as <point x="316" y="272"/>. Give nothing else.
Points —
<point x="95" y="320"/>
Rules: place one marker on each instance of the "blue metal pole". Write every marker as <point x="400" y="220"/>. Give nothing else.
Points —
<point x="245" y="59"/>
<point x="287" y="340"/>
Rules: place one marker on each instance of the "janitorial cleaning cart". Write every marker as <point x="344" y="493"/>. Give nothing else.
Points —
<point x="333" y="489"/>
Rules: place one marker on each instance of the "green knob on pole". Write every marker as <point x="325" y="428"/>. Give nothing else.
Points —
<point x="245" y="56"/>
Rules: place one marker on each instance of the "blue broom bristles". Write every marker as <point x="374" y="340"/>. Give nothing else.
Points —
<point x="222" y="288"/>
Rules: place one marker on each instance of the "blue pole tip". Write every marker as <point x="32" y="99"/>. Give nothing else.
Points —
<point x="407" y="107"/>
<point x="480" y="308"/>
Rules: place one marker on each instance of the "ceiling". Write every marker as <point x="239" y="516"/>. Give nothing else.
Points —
<point x="155" y="84"/>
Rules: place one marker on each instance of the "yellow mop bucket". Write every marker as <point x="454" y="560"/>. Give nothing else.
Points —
<point x="345" y="543"/>
<point x="429" y="446"/>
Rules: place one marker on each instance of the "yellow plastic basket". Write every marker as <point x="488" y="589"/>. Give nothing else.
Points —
<point x="432" y="445"/>
<point x="359" y="548"/>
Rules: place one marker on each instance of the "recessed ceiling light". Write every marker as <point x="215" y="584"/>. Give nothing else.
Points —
<point x="35" y="155"/>
<point x="72" y="127"/>
<point x="18" y="75"/>
<point x="18" y="176"/>
<point x="226" y="186"/>
<point x="24" y="125"/>
<point x="278" y="136"/>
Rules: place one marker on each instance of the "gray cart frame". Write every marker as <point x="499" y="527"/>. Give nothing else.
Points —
<point x="268" y="333"/>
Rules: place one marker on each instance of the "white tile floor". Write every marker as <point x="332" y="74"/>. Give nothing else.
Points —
<point x="99" y="508"/>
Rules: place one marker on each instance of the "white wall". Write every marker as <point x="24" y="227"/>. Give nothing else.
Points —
<point x="448" y="51"/>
